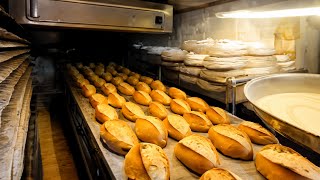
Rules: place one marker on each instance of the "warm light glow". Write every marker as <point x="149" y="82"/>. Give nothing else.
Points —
<point x="271" y="14"/>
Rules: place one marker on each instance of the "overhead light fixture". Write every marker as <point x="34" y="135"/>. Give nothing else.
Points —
<point x="283" y="9"/>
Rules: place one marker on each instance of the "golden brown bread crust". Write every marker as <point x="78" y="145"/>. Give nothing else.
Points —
<point x="160" y="97"/>
<point x="136" y="75"/>
<point x="104" y="112"/>
<point x="132" y="111"/>
<point x="179" y="106"/>
<point x="99" y="82"/>
<point x="219" y="174"/>
<point x="157" y="85"/>
<point x="145" y="79"/>
<point x="117" y="80"/>
<point x="116" y="100"/>
<point x="93" y="78"/>
<point x="82" y="82"/>
<point x="176" y="93"/>
<point x="229" y="146"/>
<point x="173" y="132"/>
<point x="88" y="90"/>
<point x="217" y="115"/>
<point x="126" y="89"/>
<point x="123" y="76"/>
<point x="141" y="86"/>
<point x="142" y="98"/>
<point x="107" y="76"/>
<point x="126" y="71"/>
<point x="197" y="121"/>
<point x="108" y="88"/>
<point x="158" y="110"/>
<point x="96" y="99"/>
<point x="258" y="135"/>
<point x="197" y="104"/>
<point x="113" y="142"/>
<point x="132" y="80"/>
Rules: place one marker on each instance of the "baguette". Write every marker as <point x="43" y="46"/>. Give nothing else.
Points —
<point x="96" y="99"/>
<point x="141" y="86"/>
<point x="104" y="112"/>
<point x="108" y="88"/>
<point x="157" y="85"/>
<point x="198" y="121"/>
<point x="179" y="106"/>
<point x="132" y="111"/>
<point x="142" y="98"/>
<point x="176" y="93"/>
<point x="197" y="104"/>
<point x="160" y="97"/>
<point x="217" y="115"/>
<point x="116" y="100"/>
<point x="177" y="126"/>
<point x="126" y="89"/>
<point x="157" y="109"/>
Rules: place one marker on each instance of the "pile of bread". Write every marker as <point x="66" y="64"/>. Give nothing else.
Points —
<point x="143" y="145"/>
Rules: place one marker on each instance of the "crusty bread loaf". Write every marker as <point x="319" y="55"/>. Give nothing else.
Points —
<point x="198" y="121"/>
<point x="231" y="141"/>
<point x="116" y="100"/>
<point x="116" y="80"/>
<point x="157" y="85"/>
<point x="145" y="79"/>
<point x="132" y="80"/>
<point x="123" y="76"/>
<point x="88" y="90"/>
<point x="177" y="126"/>
<point x="217" y="115"/>
<point x="279" y="162"/>
<point x="96" y="99"/>
<point x="99" y="82"/>
<point x="104" y="112"/>
<point x="110" y="69"/>
<point x="107" y="76"/>
<point x="82" y="82"/>
<point x="197" y="104"/>
<point x="176" y="93"/>
<point x="136" y="75"/>
<point x="179" y="106"/>
<point x="142" y="98"/>
<point x="132" y="111"/>
<point x="113" y="72"/>
<point x="152" y="130"/>
<point x="108" y="88"/>
<point x="158" y="110"/>
<point x="141" y="86"/>
<point x="93" y="78"/>
<point x="118" y="136"/>
<point x="257" y="133"/>
<point x="126" y="89"/>
<point x="197" y="153"/>
<point x="219" y="173"/>
<point x="126" y="71"/>
<point x="78" y="76"/>
<point x="147" y="161"/>
<point x="160" y="97"/>
<point x="99" y="70"/>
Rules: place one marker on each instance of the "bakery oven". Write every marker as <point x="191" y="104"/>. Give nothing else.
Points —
<point x="160" y="89"/>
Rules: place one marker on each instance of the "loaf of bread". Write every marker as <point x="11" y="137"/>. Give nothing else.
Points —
<point x="158" y="110"/>
<point x="113" y="72"/>
<point x="198" y="121"/>
<point x="126" y="89"/>
<point x="93" y="78"/>
<point x="178" y="128"/>
<point x="132" y="111"/>
<point x="145" y="79"/>
<point x="99" y="70"/>
<point x="142" y="98"/>
<point x="126" y="71"/>
<point x="141" y="86"/>
<point x="116" y="80"/>
<point x="160" y="97"/>
<point x="107" y="76"/>
<point x="88" y="90"/>
<point x="92" y="65"/>
<point x="78" y="76"/>
<point x="116" y="100"/>
<point x="157" y="85"/>
<point x="119" y="68"/>
<point x="257" y="133"/>
<point x="136" y="75"/>
<point x="197" y="153"/>
<point x="152" y="130"/>
<point x="147" y="161"/>
<point x="219" y="173"/>
<point x="179" y="106"/>
<point x="99" y="82"/>
<point x="132" y="80"/>
<point x="108" y="88"/>
<point x="231" y="141"/>
<point x="217" y="115"/>
<point x="176" y="93"/>
<point x="96" y="99"/>
<point x="123" y="76"/>
<point x="110" y="69"/>
<point x="104" y="112"/>
<point x="82" y="82"/>
<point x="279" y="162"/>
<point x="118" y="136"/>
<point x="197" y="104"/>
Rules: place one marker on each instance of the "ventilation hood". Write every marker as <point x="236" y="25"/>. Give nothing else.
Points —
<point x="114" y="15"/>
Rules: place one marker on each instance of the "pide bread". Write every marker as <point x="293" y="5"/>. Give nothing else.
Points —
<point x="116" y="80"/>
<point x="108" y="88"/>
<point x="145" y="79"/>
<point x="176" y="93"/>
<point x="217" y="115"/>
<point x="88" y="90"/>
<point x="157" y="85"/>
<point x="107" y="76"/>
<point x="197" y="104"/>
<point x="96" y="99"/>
<point x="219" y="174"/>
<point x="126" y="89"/>
<point x="257" y="133"/>
<point x="115" y="100"/>
<point x="142" y="98"/>
<point x="231" y="141"/>
<point x="197" y="153"/>
<point x="179" y="106"/>
<point x="158" y="110"/>
<point x="160" y="97"/>
<point x="99" y="82"/>
<point x="279" y="162"/>
<point x="132" y="111"/>
<point x="104" y="112"/>
<point x="132" y="80"/>
<point x="141" y="86"/>
<point x="152" y="130"/>
<point x="146" y="161"/>
<point x="118" y="136"/>
<point x="177" y="126"/>
<point x="198" y="121"/>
